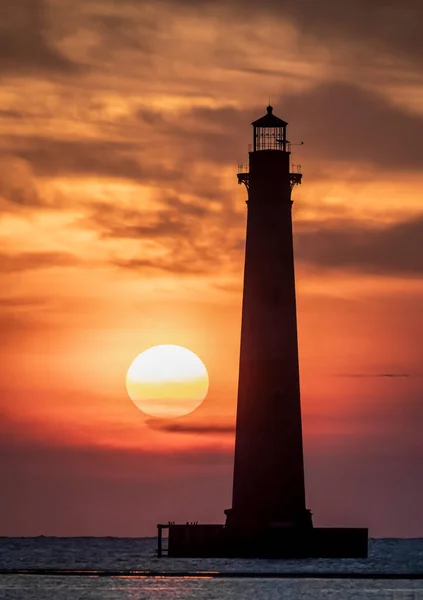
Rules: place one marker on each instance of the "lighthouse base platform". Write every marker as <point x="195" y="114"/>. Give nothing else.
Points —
<point x="194" y="540"/>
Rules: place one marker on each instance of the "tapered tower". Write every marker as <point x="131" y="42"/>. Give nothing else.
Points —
<point x="268" y="486"/>
<point x="269" y="517"/>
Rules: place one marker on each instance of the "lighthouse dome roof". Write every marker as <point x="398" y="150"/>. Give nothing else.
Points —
<point x="269" y="120"/>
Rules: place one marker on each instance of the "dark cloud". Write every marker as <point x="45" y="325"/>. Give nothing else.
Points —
<point x="371" y="375"/>
<point x="17" y="185"/>
<point x="26" y="436"/>
<point x="341" y="122"/>
<point x="100" y="158"/>
<point x="169" y="265"/>
<point x="24" y="45"/>
<point x="183" y="257"/>
<point x="337" y="122"/>
<point x="393" y="375"/>
<point x="118" y="222"/>
<point x="357" y="27"/>
<point x="193" y="239"/>
<point x="119" y="31"/>
<point x="175" y="219"/>
<point x="391" y="250"/>
<point x="11" y="114"/>
<point x="387" y="26"/>
<point x="217" y="135"/>
<point x="21" y="302"/>
<point x="27" y="261"/>
<point x="191" y="428"/>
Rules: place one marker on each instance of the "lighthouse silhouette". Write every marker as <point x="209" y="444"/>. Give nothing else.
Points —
<point x="268" y="488"/>
<point x="269" y="516"/>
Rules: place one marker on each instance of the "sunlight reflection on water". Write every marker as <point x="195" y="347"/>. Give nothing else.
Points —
<point x="92" y="588"/>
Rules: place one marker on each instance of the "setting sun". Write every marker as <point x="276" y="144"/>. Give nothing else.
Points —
<point x="167" y="381"/>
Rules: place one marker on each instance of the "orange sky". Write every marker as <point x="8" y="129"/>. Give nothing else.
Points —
<point x="122" y="226"/>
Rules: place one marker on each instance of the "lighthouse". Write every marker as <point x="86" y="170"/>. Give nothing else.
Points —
<point x="269" y="517"/>
<point x="268" y="485"/>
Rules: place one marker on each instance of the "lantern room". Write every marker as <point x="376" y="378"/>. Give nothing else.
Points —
<point x="270" y="133"/>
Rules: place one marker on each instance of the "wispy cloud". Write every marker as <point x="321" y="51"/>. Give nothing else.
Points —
<point x="368" y="248"/>
<point x="24" y="45"/>
<point x="192" y="428"/>
<point x="27" y="261"/>
<point x="372" y="375"/>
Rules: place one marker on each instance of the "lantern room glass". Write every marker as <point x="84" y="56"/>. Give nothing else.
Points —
<point x="269" y="138"/>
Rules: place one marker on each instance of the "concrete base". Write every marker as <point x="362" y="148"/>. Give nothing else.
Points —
<point x="218" y="541"/>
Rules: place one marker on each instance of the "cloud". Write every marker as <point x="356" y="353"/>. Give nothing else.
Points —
<point x="17" y="185"/>
<point x="353" y="28"/>
<point x="101" y="158"/>
<point x="174" y="229"/>
<point x="24" y="47"/>
<point x="377" y="375"/>
<point x="200" y="133"/>
<point x="185" y="237"/>
<point x="122" y="31"/>
<point x="342" y="244"/>
<point x="339" y="121"/>
<point x="27" y="261"/>
<point x="11" y="114"/>
<point x="390" y="26"/>
<point x="183" y="257"/>
<point x="168" y="264"/>
<point x="21" y="302"/>
<point x="127" y="222"/>
<point x="191" y="428"/>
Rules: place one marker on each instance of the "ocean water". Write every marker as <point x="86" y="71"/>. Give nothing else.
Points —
<point x="386" y="556"/>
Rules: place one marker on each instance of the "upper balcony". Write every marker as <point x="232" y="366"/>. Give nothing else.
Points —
<point x="295" y="175"/>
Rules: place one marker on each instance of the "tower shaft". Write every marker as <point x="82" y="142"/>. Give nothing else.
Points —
<point x="268" y="518"/>
<point x="268" y="487"/>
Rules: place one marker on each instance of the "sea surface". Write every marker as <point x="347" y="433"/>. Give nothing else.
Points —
<point x="398" y="556"/>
